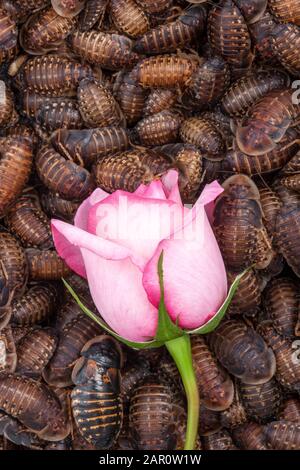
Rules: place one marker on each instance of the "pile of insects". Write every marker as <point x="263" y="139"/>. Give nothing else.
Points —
<point x="112" y="94"/>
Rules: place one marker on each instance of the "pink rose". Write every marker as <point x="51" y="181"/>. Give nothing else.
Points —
<point x="116" y="243"/>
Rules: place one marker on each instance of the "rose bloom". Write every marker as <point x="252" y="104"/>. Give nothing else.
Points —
<point x="116" y="242"/>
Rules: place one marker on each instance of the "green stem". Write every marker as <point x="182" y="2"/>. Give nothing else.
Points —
<point x="180" y="350"/>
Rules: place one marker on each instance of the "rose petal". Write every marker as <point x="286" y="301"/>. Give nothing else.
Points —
<point x="81" y="216"/>
<point x="207" y="198"/>
<point x="170" y="184"/>
<point x="152" y="191"/>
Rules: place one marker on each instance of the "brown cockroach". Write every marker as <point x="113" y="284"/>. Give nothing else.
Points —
<point x="247" y="298"/>
<point x="132" y="374"/>
<point x="68" y="8"/>
<point x="267" y="122"/>
<point x="98" y="106"/>
<point x="17" y="433"/>
<point x="214" y="384"/>
<point x="244" y="92"/>
<point x="129" y="169"/>
<point x="165" y="71"/>
<point x="19" y="332"/>
<point x="34" y="405"/>
<point x="290" y="410"/>
<point x="37" y="305"/>
<point x="235" y="415"/>
<point x="209" y="421"/>
<point x="71" y="340"/>
<point x="261" y="35"/>
<point x="262" y="401"/>
<point x="221" y="121"/>
<point x="243" y="352"/>
<point x="6" y="295"/>
<point x="65" y="177"/>
<point x="290" y="174"/>
<point x="92" y="13"/>
<point x="67" y="312"/>
<point x="129" y="18"/>
<point x="173" y="35"/>
<point x="270" y="204"/>
<point x="203" y="134"/>
<point x="44" y="31"/>
<point x="95" y="399"/>
<point x="155" y="6"/>
<point x="27" y="7"/>
<point x="286" y="46"/>
<point x="86" y="145"/>
<point x="57" y="207"/>
<point x="286" y="11"/>
<point x="35" y="350"/>
<point x="281" y="300"/>
<point x="159" y="99"/>
<point x="110" y="51"/>
<point x="238" y="225"/>
<point x="26" y="220"/>
<point x="8" y="355"/>
<point x="250" y="436"/>
<point x="252" y="10"/>
<point x="287" y="365"/>
<point x="14" y="268"/>
<point x="132" y="98"/>
<point x="52" y="75"/>
<point x="221" y="440"/>
<point x="8" y="115"/>
<point x="8" y="35"/>
<point x="158" y="129"/>
<point x="283" y="435"/>
<point x="15" y="167"/>
<point x="59" y="114"/>
<point x="45" y="265"/>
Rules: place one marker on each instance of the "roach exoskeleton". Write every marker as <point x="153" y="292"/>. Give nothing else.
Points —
<point x="59" y="114"/>
<point x="270" y="204"/>
<point x="68" y="8"/>
<point x="261" y="401"/>
<point x="247" y="298"/>
<point x="132" y="98"/>
<point x="286" y="11"/>
<point x="57" y="207"/>
<point x="286" y="46"/>
<point x="159" y="99"/>
<point x="203" y="134"/>
<point x="158" y="129"/>
<point x="129" y="18"/>
<point x="209" y="421"/>
<point x="67" y="312"/>
<point x="92" y="13"/>
<point x="220" y="440"/>
<point x="283" y="435"/>
<point x="132" y="374"/>
<point x="6" y="296"/>
<point x="250" y="436"/>
<point x="45" y="265"/>
<point x="14" y="268"/>
<point x="17" y="433"/>
<point x="8" y="355"/>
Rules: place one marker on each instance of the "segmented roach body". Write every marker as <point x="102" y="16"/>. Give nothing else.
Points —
<point x="270" y="204"/>
<point x="235" y="415"/>
<point x="110" y="51"/>
<point x="67" y="312"/>
<point x="6" y="295"/>
<point x="170" y="36"/>
<point x="129" y="18"/>
<point x="65" y="177"/>
<point x="57" y="207"/>
<point x="14" y="269"/>
<point x="132" y="98"/>
<point x="34" y="405"/>
<point x="36" y="305"/>
<point x="243" y="352"/>
<point x="261" y="35"/>
<point x="98" y="106"/>
<point x="261" y="401"/>
<point x="267" y="122"/>
<point x="8" y="114"/>
<point x="45" y="265"/>
<point x="247" y="298"/>
<point x="290" y="174"/>
<point x="155" y="6"/>
<point x="250" y="436"/>
<point x="35" y="350"/>
<point x="159" y="99"/>
<point x="59" y="114"/>
<point x="203" y="134"/>
<point x="132" y="374"/>
<point x="8" y="355"/>
<point x="252" y="10"/>
<point x="8" y="35"/>
<point x="17" y="433"/>
<point x="209" y="421"/>
<point x="247" y="90"/>
<point x="283" y="435"/>
<point x="220" y="440"/>
<point x="86" y="145"/>
<point x="19" y="332"/>
<point x="96" y="403"/>
<point x="215" y="386"/>
<point x="72" y="339"/>
<point x="158" y="129"/>
<point x="27" y="7"/>
<point x="129" y="169"/>
<point x="68" y="8"/>
<point x="286" y="11"/>
<point x="286" y="46"/>
<point x="290" y="410"/>
<point x="92" y="13"/>
<point x="238" y="225"/>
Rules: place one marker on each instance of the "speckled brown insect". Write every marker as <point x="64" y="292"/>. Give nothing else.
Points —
<point x="286" y="46"/>
<point x="209" y="421"/>
<point x="252" y="10"/>
<point x="14" y="269"/>
<point x="68" y="8"/>
<point x="290" y="174"/>
<point x="243" y="352"/>
<point x="8" y="115"/>
<point x="159" y="99"/>
<point x="286" y="11"/>
<point x="235" y="415"/>
<point x="45" y="265"/>
<point x="247" y="298"/>
<point x="203" y="134"/>
<point x="221" y="440"/>
<point x="8" y="35"/>
<point x="55" y="206"/>
<point x="8" y="355"/>
<point x="262" y="401"/>
<point x="129" y="18"/>
<point x="283" y="435"/>
<point x="35" y="406"/>
<point x="290" y="410"/>
<point x="155" y="6"/>
<point x="6" y="296"/>
<point x="261" y="35"/>
<point x="67" y="312"/>
<point x="59" y="114"/>
<point x="250" y="436"/>
<point x="131" y="98"/>
<point x="158" y="129"/>
<point x="270" y="204"/>
<point x="92" y="13"/>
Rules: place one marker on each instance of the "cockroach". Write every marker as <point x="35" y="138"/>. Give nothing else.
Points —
<point x="96" y="403"/>
<point x="59" y="114"/>
<point x="158" y="129"/>
<point x="267" y="122"/>
<point x="6" y="296"/>
<point x="252" y="10"/>
<point x="8" y="355"/>
<point x="238" y="225"/>
<point x="24" y="132"/>
<point x="129" y="18"/>
<point x="110" y="51"/>
<point x="250" y="436"/>
<point x="34" y="405"/>
<point x="283" y="435"/>
<point x="152" y="416"/>
<point x="243" y="352"/>
<point x="29" y="222"/>
<point x="170" y="36"/>
<point x="132" y="374"/>
<point x="67" y="312"/>
<point x="270" y="204"/>
<point x="78" y="283"/>
<point x="92" y="13"/>
<point x="215" y="386"/>
<point x="244" y="92"/>
<point x="129" y="169"/>
<point x="65" y="177"/>
<point x="52" y="75"/>
<point x="287" y="368"/>
<point x="281" y="302"/>
<point x="8" y="114"/>
<point x="29" y="6"/>
<point x="165" y="71"/>
<point x="290" y="173"/>
<point x="235" y="415"/>
<point x="57" y="207"/>
<point x="221" y="440"/>
<point x="286" y="46"/>
<point x="45" y="265"/>
<point x="247" y="298"/>
<point x="286" y="11"/>
<point x="86" y="145"/>
<point x="132" y="98"/>
<point x="98" y="106"/>
<point x="261" y="401"/>
<point x="37" y="305"/>
<point x="203" y="134"/>
<point x="35" y="350"/>
<point x="221" y="121"/>
<point x="18" y="434"/>
<point x="159" y="99"/>
<point x="155" y="6"/>
<point x="290" y="410"/>
<point x="68" y="8"/>
<point x="72" y="338"/>
<point x="15" y="168"/>
<point x="261" y="35"/>
<point x="14" y="268"/>
<point x="44" y="31"/>
<point x="209" y="421"/>
<point x="8" y="34"/>
<point x="19" y="332"/>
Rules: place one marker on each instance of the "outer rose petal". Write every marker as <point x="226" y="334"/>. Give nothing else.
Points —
<point x="208" y="196"/>
<point x="81" y="216"/>
<point x="152" y="191"/>
<point x="170" y="184"/>
<point x="116" y="288"/>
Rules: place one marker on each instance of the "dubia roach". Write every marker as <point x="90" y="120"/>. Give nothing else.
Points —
<point x="220" y="440"/>
<point x="250" y="436"/>
<point x="159" y="100"/>
<point x="290" y="410"/>
<point x="8" y="35"/>
<point x="270" y="204"/>
<point x="158" y="129"/>
<point x="261" y="401"/>
<point x="286" y="11"/>
<point x="261" y="35"/>
<point x="57" y="207"/>
<point x="59" y="114"/>
<point x="14" y="269"/>
<point x="45" y="265"/>
<point x="155" y="6"/>
<point x="129" y="18"/>
<point x="8" y="115"/>
<point x="92" y="13"/>
<point x="96" y="403"/>
<point x="283" y="435"/>
<point x="203" y="134"/>
<point x="247" y="298"/>
<point x="132" y="98"/>
<point x="286" y="46"/>
<point x="252" y="10"/>
<point x="6" y="296"/>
